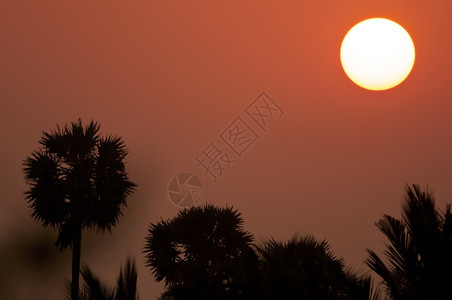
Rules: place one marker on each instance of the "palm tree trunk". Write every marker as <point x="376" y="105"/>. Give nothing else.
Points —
<point x="76" y="251"/>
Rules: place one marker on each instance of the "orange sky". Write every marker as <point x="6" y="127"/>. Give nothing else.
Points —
<point x="170" y="76"/>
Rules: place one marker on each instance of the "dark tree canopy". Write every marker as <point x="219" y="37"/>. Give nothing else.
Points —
<point x="304" y="268"/>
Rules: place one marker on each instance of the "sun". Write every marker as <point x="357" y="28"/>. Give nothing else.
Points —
<point x="377" y="54"/>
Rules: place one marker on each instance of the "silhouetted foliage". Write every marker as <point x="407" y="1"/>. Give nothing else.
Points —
<point x="78" y="180"/>
<point x="202" y="253"/>
<point x="94" y="289"/>
<point x="304" y="268"/>
<point x="419" y="252"/>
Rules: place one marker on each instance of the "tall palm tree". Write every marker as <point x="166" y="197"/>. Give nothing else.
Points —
<point x="202" y="253"/>
<point x="419" y="252"/>
<point x="304" y="268"/>
<point x="77" y="180"/>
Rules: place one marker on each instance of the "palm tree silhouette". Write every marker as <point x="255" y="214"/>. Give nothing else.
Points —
<point x="78" y="180"/>
<point x="419" y="252"/>
<point x="95" y="289"/>
<point x="202" y="253"/>
<point x="304" y="268"/>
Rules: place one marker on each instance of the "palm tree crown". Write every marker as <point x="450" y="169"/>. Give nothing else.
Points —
<point x="200" y="253"/>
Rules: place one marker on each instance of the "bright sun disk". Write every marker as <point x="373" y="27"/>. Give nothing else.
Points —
<point x="377" y="54"/>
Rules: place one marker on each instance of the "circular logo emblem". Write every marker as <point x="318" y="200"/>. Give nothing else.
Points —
<point x="185" y="189"/>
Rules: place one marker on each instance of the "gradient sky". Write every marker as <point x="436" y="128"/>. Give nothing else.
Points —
<point x="169" y="77"/>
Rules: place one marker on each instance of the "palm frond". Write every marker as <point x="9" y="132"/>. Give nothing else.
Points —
<point x="418" y="252"/>
<point x="390" y="280"/>
<point x="93" y="288"/>
<point x="421" y="217"/>
<point x="126" y="286"/>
